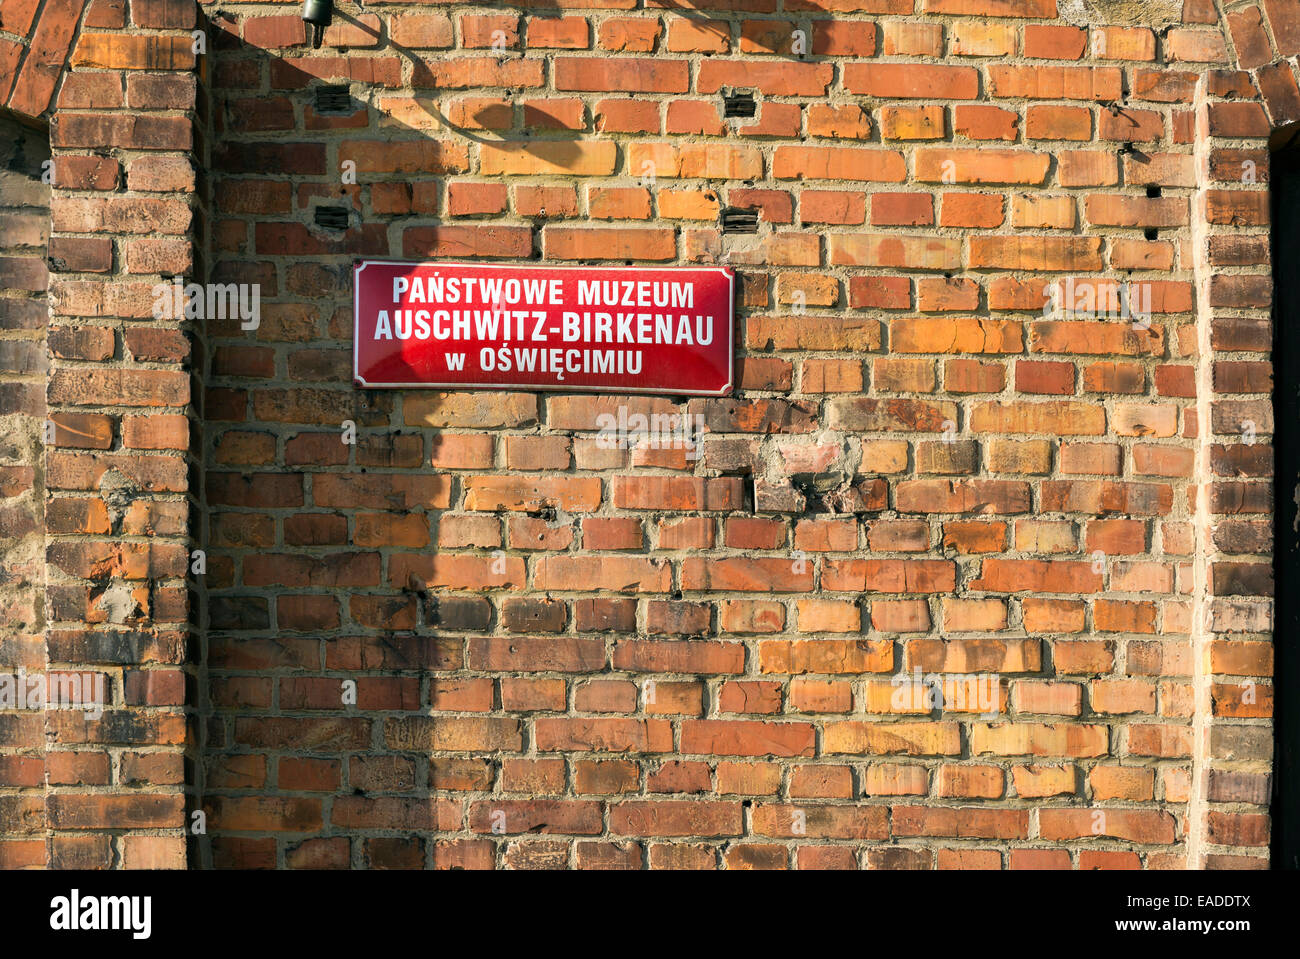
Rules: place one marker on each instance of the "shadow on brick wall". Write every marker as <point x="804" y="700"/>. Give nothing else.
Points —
<point x="406" y="126"/>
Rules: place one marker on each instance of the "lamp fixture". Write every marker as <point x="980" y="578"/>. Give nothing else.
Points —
<point x="319" y="13"/>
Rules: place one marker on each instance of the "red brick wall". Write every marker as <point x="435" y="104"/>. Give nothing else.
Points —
<point x="507" y="595"/>
<point x="567" y="655"/>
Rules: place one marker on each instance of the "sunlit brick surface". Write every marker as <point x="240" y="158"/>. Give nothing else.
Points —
<point x="972" y="570"/>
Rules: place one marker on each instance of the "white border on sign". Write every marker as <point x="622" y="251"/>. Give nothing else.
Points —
<point x="359" y="265"/>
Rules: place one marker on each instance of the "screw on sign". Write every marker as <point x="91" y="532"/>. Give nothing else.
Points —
<point x="622" y="330"/>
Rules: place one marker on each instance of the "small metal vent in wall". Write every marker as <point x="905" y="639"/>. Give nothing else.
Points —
<point x="332" y="217"/>
<point x="333" y="98"/>
<point x="739" y="105"/>
<point x="735" y="220"/>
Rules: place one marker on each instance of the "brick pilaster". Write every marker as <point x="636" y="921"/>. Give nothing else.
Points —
<point x="118" y="515"/>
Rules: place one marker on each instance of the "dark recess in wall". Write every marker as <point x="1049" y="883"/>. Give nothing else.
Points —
<point x="1285" y="174"/>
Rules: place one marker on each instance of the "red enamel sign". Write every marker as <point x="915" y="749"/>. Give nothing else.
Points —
<point x="622" y="330"/>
